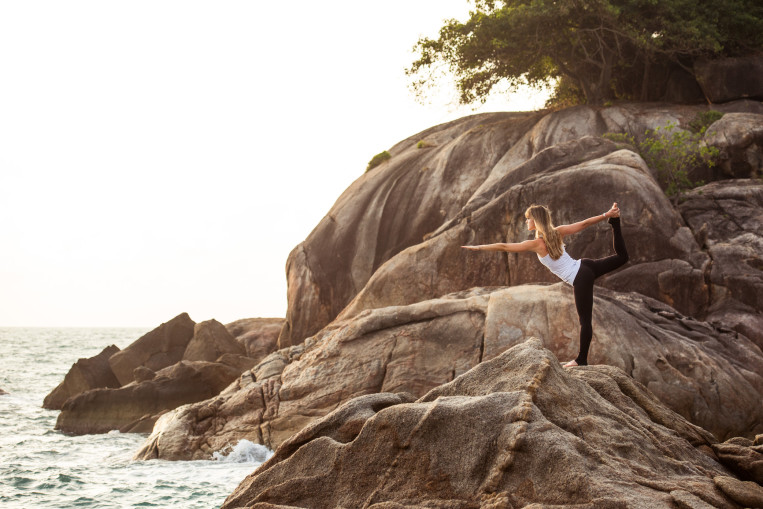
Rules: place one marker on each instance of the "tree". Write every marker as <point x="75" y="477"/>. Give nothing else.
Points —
<point x="603" y="48"/>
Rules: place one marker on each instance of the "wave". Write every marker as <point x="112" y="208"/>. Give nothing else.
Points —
<point x="243" y="452"/>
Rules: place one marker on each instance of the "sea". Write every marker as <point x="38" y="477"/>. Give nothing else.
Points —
<point x="44" y="468"/>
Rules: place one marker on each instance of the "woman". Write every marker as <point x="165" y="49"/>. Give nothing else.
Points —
<point x="580" y="274"/>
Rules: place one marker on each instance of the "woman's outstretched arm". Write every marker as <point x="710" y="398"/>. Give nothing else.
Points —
<point x="509" y="247"/>
<point x="569" y="229"/>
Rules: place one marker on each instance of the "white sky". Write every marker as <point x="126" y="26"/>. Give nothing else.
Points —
<point x="165" y="156"/>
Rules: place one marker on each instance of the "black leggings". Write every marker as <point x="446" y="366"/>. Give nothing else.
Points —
<point x="583" y="287"/>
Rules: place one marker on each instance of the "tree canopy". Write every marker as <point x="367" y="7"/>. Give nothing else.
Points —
<point x="601" y="49"/>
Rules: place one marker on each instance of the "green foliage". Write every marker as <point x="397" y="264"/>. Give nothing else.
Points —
<point x="423" y="144"/>
<point x="378" y="159"/>
<point x="672" y="152"/>
<point x="702" y="120"/>
<point x="565" y="94"/>
<point x="603" y="49"/>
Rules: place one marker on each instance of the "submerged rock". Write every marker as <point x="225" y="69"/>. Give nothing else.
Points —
<point x="85" y="374"/>
<point x="711" y="377"/>
<point x="513" y="431"/>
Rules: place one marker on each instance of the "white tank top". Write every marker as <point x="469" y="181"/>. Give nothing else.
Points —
<point x="565" y="267"/>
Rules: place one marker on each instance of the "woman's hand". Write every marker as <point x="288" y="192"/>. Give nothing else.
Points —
<point x="613" y="212"/>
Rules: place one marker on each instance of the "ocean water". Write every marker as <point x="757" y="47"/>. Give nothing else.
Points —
<point x="44" y="468"/>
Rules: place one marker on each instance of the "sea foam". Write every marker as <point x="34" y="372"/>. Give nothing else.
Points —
<point x="243" y="452"/>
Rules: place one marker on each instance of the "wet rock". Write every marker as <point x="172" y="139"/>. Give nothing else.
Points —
<point x="162" y="347"/>
<point x="85" y="374"/>
<point x="103" y="410"/>
<point x="486" y="438"/>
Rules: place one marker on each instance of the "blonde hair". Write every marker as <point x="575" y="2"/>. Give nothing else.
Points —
<point x="545" y="229"/>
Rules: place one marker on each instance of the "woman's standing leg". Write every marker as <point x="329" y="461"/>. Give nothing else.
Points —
<point x="583" y="290"/>
<point x="583" y="287"/>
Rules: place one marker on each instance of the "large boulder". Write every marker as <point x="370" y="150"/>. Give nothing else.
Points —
<point x="136" y="406"/>
<point x="739" y="138"/>
<point x="727" y="219"/>
<point x="654" y="233"/>
<point x="259" y="336"/>
<point x="210" y="341"/>
<point x="162" y="347"/>
<point x="85" y="374"/>
<point x="743" y="456"/>
<point x="467" y="169"/>
<point x="516" y="431"/>
<point x="710" y="376"/>
<point x="727" y="79"/>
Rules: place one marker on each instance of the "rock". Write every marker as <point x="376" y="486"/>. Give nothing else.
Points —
<point x="685" y="500"/>
<point x="653" y="231"/>
<point x="239" y="362"/>
<point x="390" y="209"/>
<point x="162" y="347"/>
<point x="486" y="438"/>
<point x="742" y="457"/>
<point x="211" y="340"/>
<point x="711" y="377"/>
<point x="739" y="137"/>
<point x="745" y="493"/>
<point x="387" y="217"/>
<point x="258" y="335"/>
<point x="727" y="79"/>
<point x="103" y="410"/>
<point x="2" y="392"/>
<point x="85" y="374"/>
<point x="727" y="217"/>
<point x="142" y="373"/>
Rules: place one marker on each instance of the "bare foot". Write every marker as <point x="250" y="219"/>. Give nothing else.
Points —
<point x="570" y="364"/>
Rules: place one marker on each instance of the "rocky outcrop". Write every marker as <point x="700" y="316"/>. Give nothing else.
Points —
<point x="743" y="456"/>
<point x="258" y="335"/>
<point x="210" y="341"/>
<point x="2" y="392"/>
<point x="85" y="374"/>
<point x="727" y="79"/>
<point x="727" y="219"/>
<point x="393" y="237"/>
<point x="710" y="376"/>
<point x="136" y="406"/>
<point x="93" y="400"/>
<point x="514" y="431"/>
<point x="162" y="347"/>
<point x="739" y="138"/>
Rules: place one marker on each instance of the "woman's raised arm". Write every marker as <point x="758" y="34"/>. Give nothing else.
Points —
<point x="569" y="229"/>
